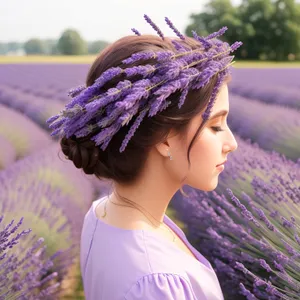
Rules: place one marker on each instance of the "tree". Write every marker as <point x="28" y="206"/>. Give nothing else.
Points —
<point x="286" y="29"/>
<point x="71" y="43"/>
<point x="51" y="46"/>
<point x="34" y="46"/>
<point x="267" y="28"/>
<point x="217" y="13"/>
<point x="14" y="46"/>
<point x="258" y="13"/>
<point x="3" y="48"/>
<point x="96" y="46"/>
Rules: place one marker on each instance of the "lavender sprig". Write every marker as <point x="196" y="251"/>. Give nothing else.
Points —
<point x="217" y="34"/>
<point x="207" y="112"/>
<point x="179" y="47"/>
<point x="180" y="70"/>
<point x="133" y="129"/>
<point x="171" y="25"/>
<point x="139" y="70"/>
<point x="82" y="98"/>
<point x="135" y="31"/>
<point x="154" y="26"/>
<point x="76" y="91"/>
<point x="22" y="275"/>
<point x="206" y="44"/>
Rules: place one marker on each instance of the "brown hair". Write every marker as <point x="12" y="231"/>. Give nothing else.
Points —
<point x="125" y="167"/>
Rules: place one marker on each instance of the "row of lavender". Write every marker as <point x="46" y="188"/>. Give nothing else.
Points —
<point x="272" y="126"/>
<point x="43" y="198"/>
<point x="268" y="85"/>
<point x="49" y="197"/>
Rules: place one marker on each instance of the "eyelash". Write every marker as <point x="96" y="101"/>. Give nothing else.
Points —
<point x="217" y="128"/>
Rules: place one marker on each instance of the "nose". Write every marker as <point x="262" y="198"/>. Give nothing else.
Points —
<point x="230" y="144"/>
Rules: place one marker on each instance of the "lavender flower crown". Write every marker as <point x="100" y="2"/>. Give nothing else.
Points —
<point x="101" y="114"/>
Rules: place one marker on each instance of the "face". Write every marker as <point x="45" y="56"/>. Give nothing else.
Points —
<point x="210" y="148"/>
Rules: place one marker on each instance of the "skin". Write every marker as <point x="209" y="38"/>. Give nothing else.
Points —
<point x="162" y="177"/>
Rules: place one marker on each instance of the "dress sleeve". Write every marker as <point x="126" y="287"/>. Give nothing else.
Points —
<point x="161" y="286"/>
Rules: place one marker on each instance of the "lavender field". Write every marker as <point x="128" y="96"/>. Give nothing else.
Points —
<point x="253" y="217"/>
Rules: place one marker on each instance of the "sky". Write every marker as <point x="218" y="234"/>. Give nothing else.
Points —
<point x="106" y="20"/>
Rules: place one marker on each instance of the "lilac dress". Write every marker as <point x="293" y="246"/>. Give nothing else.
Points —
<point x="121" y="264"/>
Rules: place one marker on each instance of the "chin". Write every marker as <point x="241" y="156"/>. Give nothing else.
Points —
<point x="209" y="187"/>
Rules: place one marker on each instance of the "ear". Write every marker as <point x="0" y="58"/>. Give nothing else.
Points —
<point x="166" y="145"/>
<point x="163" y="148"/>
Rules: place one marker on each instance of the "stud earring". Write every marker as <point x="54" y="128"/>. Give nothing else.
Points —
<point x="169" y="154"/>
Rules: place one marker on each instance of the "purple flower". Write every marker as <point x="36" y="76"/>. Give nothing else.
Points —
<point x="135" y="31"/>
<point x="245" y="124"/>
<point x="154" y="26"/>
<point x="32" y="139"/>
<point x="30" y="263"/>
<point x="135" y="57"/>
<point x="206" y="114"/>
<point x="132" y="130"/>
<point x="235" y="46"/>
<point x="264" y="264"/>
<point x="180" y="48"/>
<point x="131" y="99"/>
<point x="183" y="97"/>
<point x="218" y="33"/>
<point x="162" y="94"/>
<point x="247" y="293"/>
<point x="107" y="75"/>
<point x="236" y="230"/>
<point x="169" y="73"/>
<point x="206" y="44"/>
<point x="107" y="132"/>
<point x="55" y="210"/>
<point x="76" y="91"/>
<point x="140" y="70"/>
<point x="171" y="25"/>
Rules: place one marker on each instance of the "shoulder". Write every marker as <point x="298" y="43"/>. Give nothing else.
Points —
<point x="167" y="286"/>
<point x="129" y="260"/>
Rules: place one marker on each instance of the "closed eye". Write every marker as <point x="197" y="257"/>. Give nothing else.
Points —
<point x="217" y="128"/>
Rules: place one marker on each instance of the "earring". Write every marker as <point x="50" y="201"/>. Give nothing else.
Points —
<point x="169" y="154"/>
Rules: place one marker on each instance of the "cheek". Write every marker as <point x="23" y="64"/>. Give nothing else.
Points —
<point x="202" y="174"/>
<point x="204" y="149"/>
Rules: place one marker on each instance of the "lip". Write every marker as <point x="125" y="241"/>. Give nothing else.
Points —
<point x="221" y="163"/>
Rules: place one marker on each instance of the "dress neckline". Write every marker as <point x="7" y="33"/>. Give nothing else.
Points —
<point x="198" y="256"/>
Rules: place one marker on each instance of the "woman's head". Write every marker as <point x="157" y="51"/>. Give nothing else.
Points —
<point x="174" y="128"/>
<point x="207" y="148"/>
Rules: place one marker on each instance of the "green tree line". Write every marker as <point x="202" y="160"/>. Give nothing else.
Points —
<point x="269" y="29"/>
<point x="69" y="43"/>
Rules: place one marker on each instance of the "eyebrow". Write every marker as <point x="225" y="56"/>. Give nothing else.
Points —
<point x="219" y="114"/>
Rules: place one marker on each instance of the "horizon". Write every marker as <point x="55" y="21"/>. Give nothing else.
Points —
<point x="31" y="19"/>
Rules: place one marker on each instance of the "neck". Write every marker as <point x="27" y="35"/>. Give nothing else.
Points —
<point x="152" y="192"/>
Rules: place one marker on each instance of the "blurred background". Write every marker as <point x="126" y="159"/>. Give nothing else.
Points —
<point x="269" y="29"/>
<point x="47" y="47"/>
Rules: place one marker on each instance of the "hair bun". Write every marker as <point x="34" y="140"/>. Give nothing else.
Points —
<point x="84" y="154"/>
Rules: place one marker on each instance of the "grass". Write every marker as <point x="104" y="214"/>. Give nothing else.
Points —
<point x="266" y="64"/>
<point x="88" y="59"/>
<point x="73" y="59"/>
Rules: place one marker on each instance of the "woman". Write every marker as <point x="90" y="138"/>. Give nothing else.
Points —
<point x="151" y="118"/>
